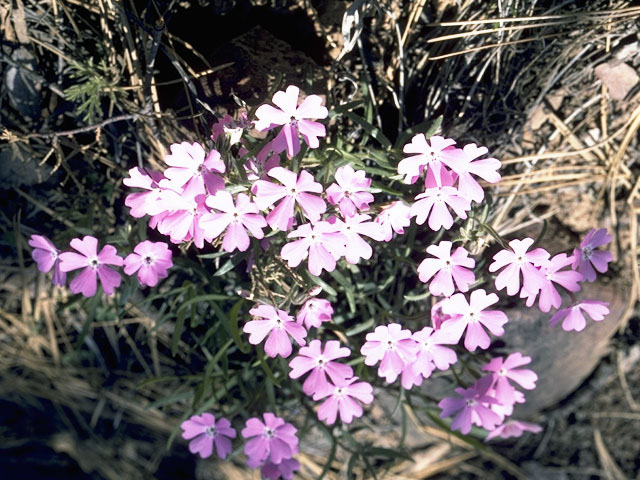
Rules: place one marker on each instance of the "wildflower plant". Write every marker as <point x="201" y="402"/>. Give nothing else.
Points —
<point x="318" y="275"/>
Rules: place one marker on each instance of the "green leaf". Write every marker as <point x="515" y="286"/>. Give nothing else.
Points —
<point x="387" y="453"/>
<point x="418" y="297"/>
<point x="177" y="331"/>
<point x="230" y="264"/>
<point x="265" y="367"/>
<point x="231" y="323"/>
<point x="428" y="127"/>
<point x="373" y="131"/>
<point x="348" y="289"/>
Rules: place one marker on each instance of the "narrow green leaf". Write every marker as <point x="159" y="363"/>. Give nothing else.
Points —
<point x="230" y="264"/>
<point x="265" y="367"/>
<point x="177" y="331"/>
<point x="373" y="131"/>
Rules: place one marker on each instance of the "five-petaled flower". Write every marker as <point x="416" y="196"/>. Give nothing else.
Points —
<point x="320" y="363"/>
<point x="278" y="325"/>
<point x="586" y="258"/>
<point x="342" y="398"/>
<point x="519" y="260"/>
<point x="573" y="317"/>
<point x="271" y="441"/>
<point x="315" y="312"/>
<point x="322" y="243"/>
<point x="431" y="355"/>
<point x="294" y="119"/>
<point x="47" y="256"/>
<point x="393" y="347"/>
<point x="204" y="431"/>
<point x="446" y="268"/>
<point x="236" y="218"/>
<point x="350" y="192"/>
<point x="426" y="155"/>
<point x="94" y="265"/>
<point x="298" y="189"/>
<point x="151" y="260"/>
<point x="507" y="369"/>
<point x="472" y="317"/>
<point x="471" y="407"/>
<point x="192" y="169"/>
<point x="432" y="204"/>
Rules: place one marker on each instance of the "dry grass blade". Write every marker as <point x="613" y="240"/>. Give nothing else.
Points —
<point x="611" y="469"/>
<point x="630" y="12"/>
<point x="485" y="452"/>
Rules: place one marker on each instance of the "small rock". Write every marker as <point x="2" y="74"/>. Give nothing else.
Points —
<point x="619" y="78"/>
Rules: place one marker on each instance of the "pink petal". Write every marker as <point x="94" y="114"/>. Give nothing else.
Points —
<point x="86" y="282"/>
<point x="108" y="278"/>
<point x="236" y="237"/>
<point x="278" y="343"/>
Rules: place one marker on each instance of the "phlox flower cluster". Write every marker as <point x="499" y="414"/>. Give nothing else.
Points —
<point x="490" y="400"/>
<point x="331" y="380"/>
<point x="541" y="275"/>
<point x="270" y="442"/>
<point x="150" y="260"/>
<point x="449" y="179"/>
<point x="316" y="222"/>
<point x="414" y="356"/>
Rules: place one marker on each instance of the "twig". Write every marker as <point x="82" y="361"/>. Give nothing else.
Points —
<point x="89" y="128"/>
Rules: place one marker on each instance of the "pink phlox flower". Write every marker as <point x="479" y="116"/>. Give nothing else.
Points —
<point x="270" y="442"/>
<point x="47" y="256"/>
<point x="342" y="399"/>
<point x="394" y="217"/>
<point x="322" y="243"/>
<point x="518" y="260"/>
<point x="156" y="200"/>
<point x="352" y="228"/>
<point x="435" y="199"/>
<point x="294" y="119"/>
<point x="94" y="266"/>
<point x="151" y="260"/>
<point x="294" y="189"/>
<point x="573" y="316"/>
<point x="506" y="370"/>
<point x="191" y="169"/>
<point x="427" y="155"/>
<point x="285" y="469"/>
<point x="472" y="317"/>
<point x="236" y="218"/>
<point x="278" y="325"/>
<point x="512" y="428"/>
<point x="431" y="355"/>
<point x="471" y="407"/>
<point x="393" y="347"/>
<point x="350" y="192"/>
<point x="319" y="362"/>
<point x="587" y="257"/>
<point x="183" y="223"/>
<point x="549" y="295"/>
<point x="464" y="164"/>
<point x="204" y="431"/>
<point x="447" y="267"/>
<point x="314" y="312"/>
